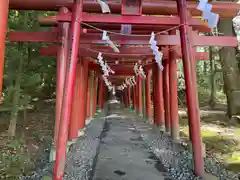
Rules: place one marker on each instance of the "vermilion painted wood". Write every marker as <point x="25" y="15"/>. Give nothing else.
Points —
<point x="119" y="70"/>
<point x="166" y="95"/>
<point x="132" y="40"/>
<point x="192" y="100"/>
<point x="225" y="9"/>
<point x="85" y="85"/>
<point x="140" y="103"/>
<point x="137" y="95"/>
<point x="136" y="28"/>
<point x="148" y="94"/>
<point x="135" y="7"/>
<point x="133" y="98"/>
<point x="3" y="30"/>
<point x="75" y="116"/>
<point x="68" y="93"/>
<point x="83" y="92"/>
<point x="154" y="95"/>
<point x="129" y="96"/>
<point x="173" y="94"/>
<point x="89" y="94"/>
<point x="62" y="61"/>
<point x="126" y="51"/>
<point x="136" y="98"/>
<point x="94" y="99"/>
<point x="119" y="19"/>
<point x="100" y="95"/>
<point x="159" y="97"/>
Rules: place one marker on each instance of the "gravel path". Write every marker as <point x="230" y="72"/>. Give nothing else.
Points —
<point x="121" y="146"/>
<point x="177" y="160"/>
<point x="123" y="154"/>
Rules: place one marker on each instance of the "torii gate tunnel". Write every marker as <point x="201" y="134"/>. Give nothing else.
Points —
<point x="77" y="32"/>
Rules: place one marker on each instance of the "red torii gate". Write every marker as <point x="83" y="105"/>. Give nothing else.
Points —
<point x="151" y="7"/>
<point x="76" y="75"/>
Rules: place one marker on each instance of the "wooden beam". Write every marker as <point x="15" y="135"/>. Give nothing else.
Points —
<point x="126" y="52"/>
<point x="119" y="19"/>
<point x="94" y="38"/>
<point x="155" y="7"/>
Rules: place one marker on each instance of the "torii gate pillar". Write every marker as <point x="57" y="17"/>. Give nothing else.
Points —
<point x="3" y="30"/>
<point x="158" y="97"/>
<point x="75" y="116"/>
<point x="148" y="94"/>
<point x="68" y="92"/>
<point x="100" y="93"/>
<point x="129" y="96"/>
<point x="192" y="96"/>
<point x="139" y="96"/>
<point x="83" y="93"/>
<point x="166" y="95"/>
<point x="89" y="87"/>
<point x="62" y="60"/>
<point x="134" y="97"/>
<point x="173" y="96"/>
<point x="94" y="99"/>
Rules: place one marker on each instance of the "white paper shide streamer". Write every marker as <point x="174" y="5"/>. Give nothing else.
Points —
<point x="108" y="83"/>
<point x="105" y="67"/>
<point x="236" y="25"/>
<point x="207" y="13"/>
<point x="104" y="6"/>
<point x="139" y="70"/>
<point x="129" y="81"/>
<point x="158" y="55"/>
<point x="106" y="38"/>
<point x="135" y="68"/>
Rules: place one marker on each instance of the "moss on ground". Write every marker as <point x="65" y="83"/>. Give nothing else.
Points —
<point x="224" y="146"/>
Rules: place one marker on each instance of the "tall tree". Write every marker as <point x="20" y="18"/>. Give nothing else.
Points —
<point x="231" y="75"/>
<point x="212" y="99"/>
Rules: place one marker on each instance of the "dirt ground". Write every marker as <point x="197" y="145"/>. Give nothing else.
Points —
<point x="29" y="149"/>
<point x="220" y="135"/>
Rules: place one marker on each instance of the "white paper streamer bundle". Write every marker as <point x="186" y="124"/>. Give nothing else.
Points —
<point x="132" y="81"/>
<point x="105" y="67"/>
<point x="107" y="82"/>
<point x="104" y="6"/>
<point x="106" y="38"/>
<point x="139" y="70"/>
<point x="236" y="25"/>
<point x="158" y="55"/>
<point x="211" y="17"/>
<point x="129" y="81"/>
<point x="135" y="68"/>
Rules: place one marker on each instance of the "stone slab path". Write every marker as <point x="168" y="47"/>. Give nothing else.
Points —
<point x="123" y="155"/>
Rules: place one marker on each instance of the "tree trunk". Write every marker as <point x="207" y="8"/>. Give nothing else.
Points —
<point x="230" y="69"/>
<point x="16" y="97"/>
<point x="212" y="99"/>
<point x="205" y="68"/>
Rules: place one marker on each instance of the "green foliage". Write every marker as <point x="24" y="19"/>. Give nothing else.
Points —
<point x="206" y="74"/>
<point x="14" y="161"/>
<point x="26" y="76"/>
<point x="38" y="76"/>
